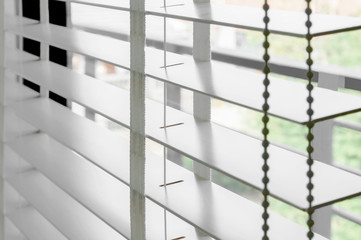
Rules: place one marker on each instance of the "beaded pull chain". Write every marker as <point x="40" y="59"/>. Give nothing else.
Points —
<point x="310" y="124"/>
<point x="265" y="121"/>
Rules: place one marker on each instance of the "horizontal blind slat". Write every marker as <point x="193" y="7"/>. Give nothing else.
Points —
<point x="217" y="216"/>
<point x="79" y="88"/>
<point x="220" y="81"/>
<point x="215" y="210"/>
<point x="243" y="87"/>
<point x="75" y="221"/>
<point x="241" y="16"/>
<point x="88" y="44"/>
<point x="110" y="25"/>
<point x="30" y="222"/>
<point x="210" y="144"/>
<point x="11" y="231"/>
<point x="97" y="190"/>
<point x="14" y="91"/>
<point x="15" y="127"/>
<point x="251" y="18"/>
<point x="79" y="134"/>
<point x="113" y="4"/>
<point x="237" y="155"/>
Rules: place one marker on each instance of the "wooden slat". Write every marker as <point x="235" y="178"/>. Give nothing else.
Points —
<point x="109" y="198"/>
<point x="85" y="43"/>
<point x="103" y="194"/>
<point x="72" y="219"/>
<point x="11" y="232"/>
<point x="88" y="44"/>
<point x="76" y="87"/>
<point x="79" y="134"/>
<point x="238" y="156"/>
<point x="113" y="4"/>
<point x="217" y="211"/>
<point x="252" y="18"/>
<point x="215" y="79"/>
<point x="241" y="17"/>
<point x="10" y="20"/>
<point x="107" y="23"/>
<point x="12" y="55"/>
<point x="227" y="151"/>
<point x="99" y="192"/>
<point x="13" y="165"/>
<point x="14" y="91"/>
<point x="285" y="65"/>
<point x="100" y="18"/>
<point x="34" y="225"/>
<point x="245" y="88"/>
<point x="110" y="22"/>
<point x="14" y="126"/>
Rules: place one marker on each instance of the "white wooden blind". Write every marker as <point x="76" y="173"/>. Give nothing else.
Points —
<point x="66" y="177"/>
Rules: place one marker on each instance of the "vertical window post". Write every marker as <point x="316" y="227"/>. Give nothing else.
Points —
<point x="90" y="70"/>
<point x="323" y="132"/>
<point x="2" y="112"/>
<point x="44" y="48"/>
<point x="69" y="24"/>
<point x="201" y="102"/>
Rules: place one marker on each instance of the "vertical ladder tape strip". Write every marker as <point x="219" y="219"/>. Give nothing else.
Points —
<point x="137" y="119"/>
<point x="2" y="116"/>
